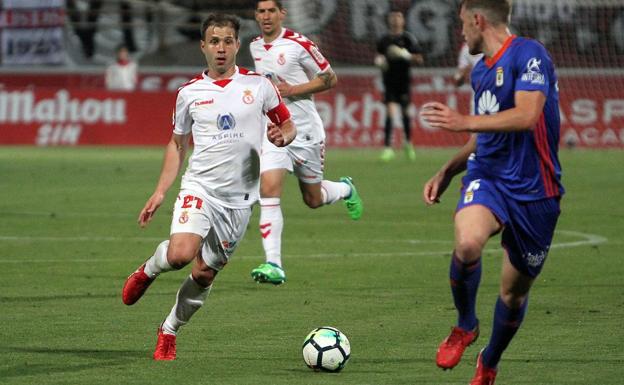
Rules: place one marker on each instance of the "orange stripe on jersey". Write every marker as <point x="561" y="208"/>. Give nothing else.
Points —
<point x="489" y="62"/>
<point x="546" y="165"/>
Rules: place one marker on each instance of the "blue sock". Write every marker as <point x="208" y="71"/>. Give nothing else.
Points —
<point x="506" y="323"/>
<point x="465" y="279"/>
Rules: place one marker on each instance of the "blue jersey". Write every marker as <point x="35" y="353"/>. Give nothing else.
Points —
<point x="523" y="164"/>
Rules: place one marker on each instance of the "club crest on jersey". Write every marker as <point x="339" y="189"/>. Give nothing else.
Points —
<point x="281" y="60"/>
<point x="500" y="78"/>
<point x="226" y="122"/>
<point x="472" y="187"/>
<point x="248" y="97"/>
<point x="184" y="217"/>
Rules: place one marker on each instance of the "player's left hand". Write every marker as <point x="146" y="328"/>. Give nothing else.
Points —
<point x="439" y="115"/>
<point x="275" y="135"/>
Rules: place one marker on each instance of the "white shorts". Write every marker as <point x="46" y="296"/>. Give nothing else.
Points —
<point x="307" y="162"/>
<point x="221" y="228"/>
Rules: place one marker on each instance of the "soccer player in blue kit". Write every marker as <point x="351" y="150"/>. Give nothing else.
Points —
<point x="513" y="179"/>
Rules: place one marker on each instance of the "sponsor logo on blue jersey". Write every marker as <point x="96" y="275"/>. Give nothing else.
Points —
<point x="533" y="72"/>
<point x="488" y="104"/>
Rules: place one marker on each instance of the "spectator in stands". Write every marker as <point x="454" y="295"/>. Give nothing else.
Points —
<point x="122" y="74"/>
<point x="397" y="51"/>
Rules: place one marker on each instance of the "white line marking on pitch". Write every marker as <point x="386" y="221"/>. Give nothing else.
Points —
<point x="63" y="215"/>
<point x="586" y="239"/>
<point x="76" y="239"/>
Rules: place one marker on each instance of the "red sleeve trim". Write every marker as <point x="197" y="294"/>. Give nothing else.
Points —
<point x="196" y="78"/>
<point x="279" y="114"/>
<point x="309" y="46"/>
<point x="245" y="71"/>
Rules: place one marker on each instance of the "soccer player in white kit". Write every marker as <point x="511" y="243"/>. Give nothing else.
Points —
<point x="225" y="110"/>
<point x="465" y="64"/>
<point x="299" y="70"/>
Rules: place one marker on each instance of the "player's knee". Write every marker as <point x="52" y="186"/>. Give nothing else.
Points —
<point x="267" y="191"/>
<point x="512" y="299"/>
<point x="180" y="256"/>
<point x="468" y="250"/>
<point x="204" y="277"/>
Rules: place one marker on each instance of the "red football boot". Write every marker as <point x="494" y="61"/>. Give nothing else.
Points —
<point x="452" y="348"/>
<point x="484" y="375"/>
<point x="135" y="286"/>
<point x="165" y="347"/>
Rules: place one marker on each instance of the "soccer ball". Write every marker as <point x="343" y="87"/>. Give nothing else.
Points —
<point x="327" y="349"/>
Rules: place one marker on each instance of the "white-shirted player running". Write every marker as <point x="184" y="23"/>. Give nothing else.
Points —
<point x="225" y="111"/>
<point x="465" y="64"/>
<point x="298" y="69"/>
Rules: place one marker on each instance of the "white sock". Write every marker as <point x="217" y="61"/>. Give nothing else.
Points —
<point x="190" y="298"/>
<point x="334" y="191"/>
<point x="158" y="262"/>
<point x="271" y="226"/>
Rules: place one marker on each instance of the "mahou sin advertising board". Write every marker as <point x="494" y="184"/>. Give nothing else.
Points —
<point x="73" y="109"/>
<point x="46" y="117"/>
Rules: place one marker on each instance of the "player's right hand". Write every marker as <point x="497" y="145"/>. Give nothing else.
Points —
<point x="434" y="188"/>
<point x="274" y="134"/>
<point x="152" y="204"/>
<point x="394" y="52"/>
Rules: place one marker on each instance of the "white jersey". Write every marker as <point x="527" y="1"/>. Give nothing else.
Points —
<point x="228" y="120"/>
<point x="295" y="59"/>
<point x="465" y="59"/>
<point x="121" y="77"/>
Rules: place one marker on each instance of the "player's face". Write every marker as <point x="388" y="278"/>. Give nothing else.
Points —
<point x="220" y="48"/>
<point x="122" y="54"/>
<point x="269" y="17"/>
<point x="471" y="32"/>
<point x="396" y="21"/>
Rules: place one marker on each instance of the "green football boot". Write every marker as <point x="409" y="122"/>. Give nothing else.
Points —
<point x="387" y="155"/>
<point x="353" y="202"/>
<point x="269" y="273"/>
<point x="409" y="152"/>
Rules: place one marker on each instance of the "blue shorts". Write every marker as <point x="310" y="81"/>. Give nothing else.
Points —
<point x="528" y="227"/>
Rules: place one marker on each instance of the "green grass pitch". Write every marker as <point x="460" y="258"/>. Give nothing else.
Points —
<point x="68" y="240"/>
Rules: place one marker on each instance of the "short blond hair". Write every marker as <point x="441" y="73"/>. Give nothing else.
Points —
<point x="496" y="11"/>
